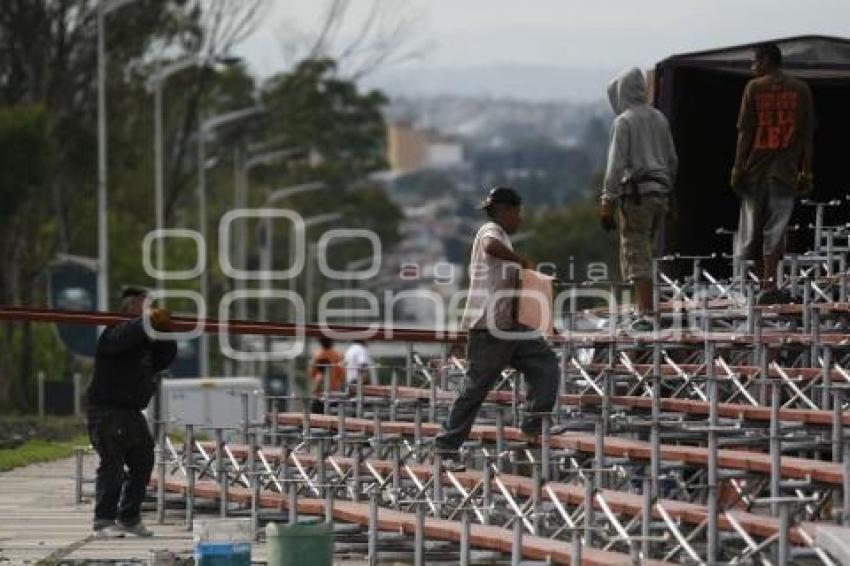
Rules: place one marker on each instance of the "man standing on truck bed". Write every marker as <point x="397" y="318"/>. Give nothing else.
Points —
<point x="638" y="184"/>
<point x="773" y="163"/>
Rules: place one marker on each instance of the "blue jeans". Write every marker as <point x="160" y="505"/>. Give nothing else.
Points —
<point x="487" y="356"/>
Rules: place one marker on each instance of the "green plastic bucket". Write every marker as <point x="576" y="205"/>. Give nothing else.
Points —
<point x="299" y="544"/>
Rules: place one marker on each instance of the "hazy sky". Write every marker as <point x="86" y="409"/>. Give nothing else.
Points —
<point x="566" y="33"/>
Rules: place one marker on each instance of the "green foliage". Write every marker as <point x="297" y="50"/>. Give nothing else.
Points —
<point x="315" y="109"/>
<point x="543" y="172"/>
<point x="38" y="450"/>
<point x="571" y="238"/>
<point x="24" y="156"/>
<point x="48" y="176"/>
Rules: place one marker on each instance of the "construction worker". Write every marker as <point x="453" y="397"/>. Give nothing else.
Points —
<point x="638" y="184"/>
<point x="326" y="361"/>
<point x="125" y="365"/>
<point x="495" y="339"/>
<point x="773" y="163"/>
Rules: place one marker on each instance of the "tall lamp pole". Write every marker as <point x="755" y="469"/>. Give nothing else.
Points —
<point x="103" y="9"/>
<point x="244" y="160"/>
<point x="155" y="83"/>
<point x="206" y="128"/>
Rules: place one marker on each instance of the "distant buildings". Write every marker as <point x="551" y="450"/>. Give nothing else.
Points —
<point x="411" y="149"/>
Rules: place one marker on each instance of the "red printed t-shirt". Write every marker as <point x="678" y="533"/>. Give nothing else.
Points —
<point x="777" y="114"/>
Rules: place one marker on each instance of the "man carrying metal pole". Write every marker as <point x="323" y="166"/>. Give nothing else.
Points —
<point x="126" y="363"/>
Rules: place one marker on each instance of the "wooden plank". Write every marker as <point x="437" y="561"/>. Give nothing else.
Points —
<point x="481" y="536"/>
<point x="798" y="468"/>
<point x="672" y="405"/>
<point x="620" y="502"/>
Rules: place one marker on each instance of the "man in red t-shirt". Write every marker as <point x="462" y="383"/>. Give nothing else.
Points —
<point x="773" y="162"/>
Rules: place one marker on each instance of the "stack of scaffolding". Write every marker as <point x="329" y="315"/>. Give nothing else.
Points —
<point x="719" y="438"/>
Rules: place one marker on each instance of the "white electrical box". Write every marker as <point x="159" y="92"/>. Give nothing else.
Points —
<point x="213" y="402"/>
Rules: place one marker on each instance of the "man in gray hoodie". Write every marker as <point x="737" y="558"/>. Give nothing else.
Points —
<point x="638" y="183"/>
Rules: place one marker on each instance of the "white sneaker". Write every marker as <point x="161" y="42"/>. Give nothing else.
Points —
<point x="139" y="529"/>
<point x="109" y="531"/>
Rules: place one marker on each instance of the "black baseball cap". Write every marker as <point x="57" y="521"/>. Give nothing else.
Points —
<point x="133" y="292"/>
<point x="501" y="195"/>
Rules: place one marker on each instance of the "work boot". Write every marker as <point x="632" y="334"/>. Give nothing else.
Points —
<point x="139" y="529"/>
<point x="533" y="434"/>
<point x="452" y="464"/>
<point x="109" y="530"/>
<point x="449" y="459"/>
<point x="769" y="297"/>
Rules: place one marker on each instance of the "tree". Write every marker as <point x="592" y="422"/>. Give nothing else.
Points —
<point x="571" y="238"/>
<point x="26" y="223"/>
<point x="384" y="35"/>
<point x="48" y="84"/>
<point x="315" y="109"/>
<point x="342" y="130"/>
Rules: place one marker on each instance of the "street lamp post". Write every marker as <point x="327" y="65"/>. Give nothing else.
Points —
<point x="267" y="259"/>
<point x="103" y="9"/>
<point x="350" y="282"/>
<point x="242" y="168"/>
<point x="308" y="223"/>
<point x="206" y="127"/>
<point x="310" y="272"/>
<point x="242" y="172"/>
<point x="155" y="83"/>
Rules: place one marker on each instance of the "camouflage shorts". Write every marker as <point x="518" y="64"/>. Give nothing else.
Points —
<point x="638" y="225"/>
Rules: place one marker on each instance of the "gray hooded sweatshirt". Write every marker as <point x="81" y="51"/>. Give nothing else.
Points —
<point x="641" y="146"/>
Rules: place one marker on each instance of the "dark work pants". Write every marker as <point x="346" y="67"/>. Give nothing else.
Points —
<point x="487" y="356"/>
<point x="126" y="451"/>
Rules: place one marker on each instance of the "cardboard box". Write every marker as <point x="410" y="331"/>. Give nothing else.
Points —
<point x="534" y="304"/>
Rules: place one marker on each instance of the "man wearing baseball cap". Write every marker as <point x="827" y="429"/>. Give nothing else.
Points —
<point x="490" y="320"/>
<point x="126" y="363"/>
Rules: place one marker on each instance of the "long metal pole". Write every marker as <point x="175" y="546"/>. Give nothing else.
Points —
<point x="775" y="447"/>
<point x="713" y="487"/>
<point x="158" y="175"/>
<point x="292" y="282"/>
<point x="235" y="246"/>
<point x="205" y="127"/>
<point x="102" y="220"/>
<point x="240" y="201"/>
<point x="267" y="254"/>
<point x="204" y="343"/>
<point x="309" y="277"/>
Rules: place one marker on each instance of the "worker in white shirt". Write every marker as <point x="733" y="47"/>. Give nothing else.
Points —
<point x="357" y="361"/>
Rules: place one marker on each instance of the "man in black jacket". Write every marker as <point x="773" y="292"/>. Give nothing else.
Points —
<point x="126" y="363"/>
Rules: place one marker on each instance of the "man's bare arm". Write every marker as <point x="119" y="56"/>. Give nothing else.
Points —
<point x="497" y="249"/>
<point x="746" y="136"/>
<point x="745" y="142"/>
<point x="809" y="133"/>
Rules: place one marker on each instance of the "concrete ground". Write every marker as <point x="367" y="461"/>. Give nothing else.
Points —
<point x="39" y="521"/>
